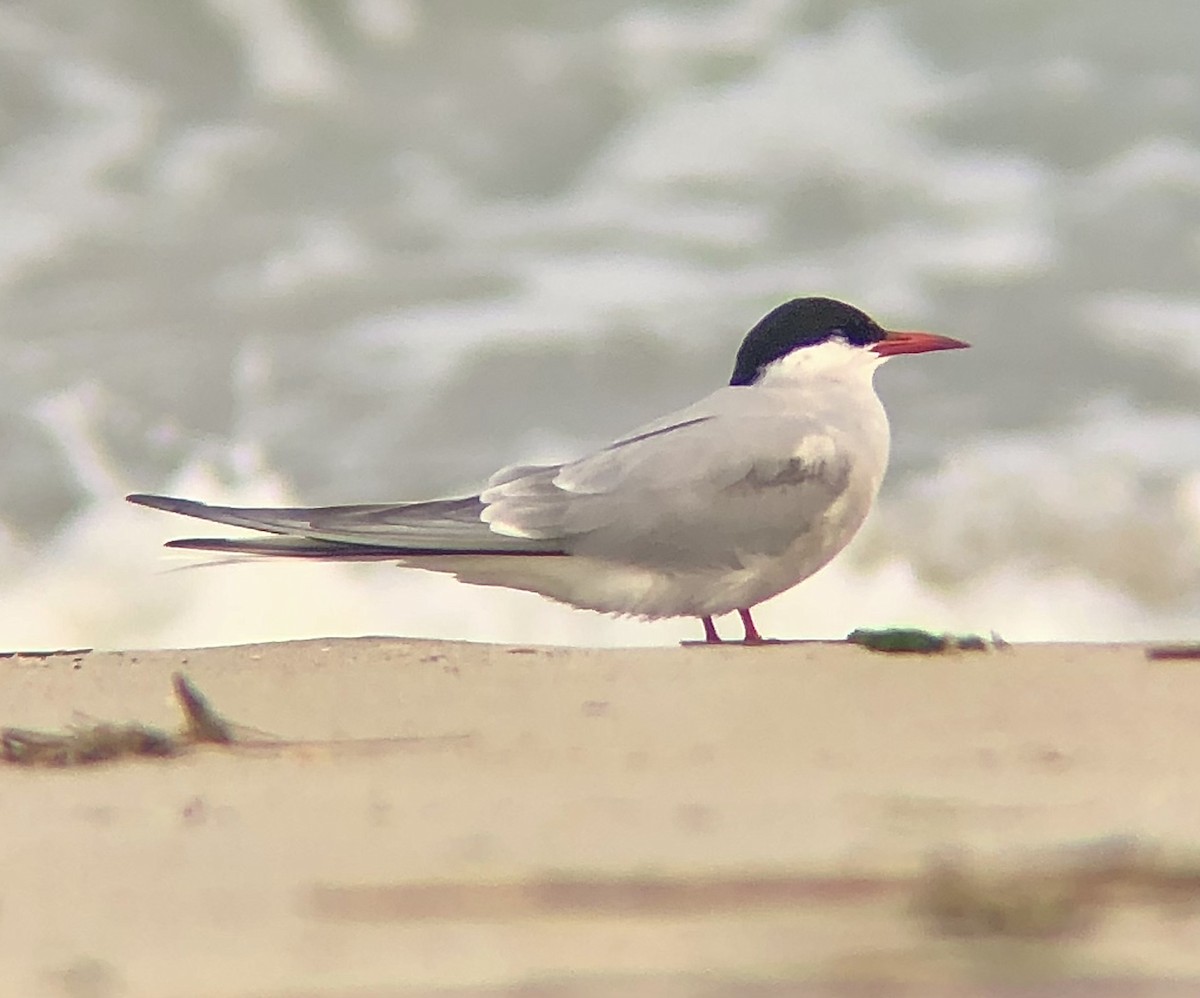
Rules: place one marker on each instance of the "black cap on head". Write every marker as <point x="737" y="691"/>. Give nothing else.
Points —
<point x="801" y="322"/>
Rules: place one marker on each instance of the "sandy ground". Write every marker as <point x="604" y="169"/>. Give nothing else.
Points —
<point x="414" y="817"/>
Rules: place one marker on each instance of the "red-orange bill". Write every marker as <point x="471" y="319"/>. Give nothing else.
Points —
<point x="897" y="342"/>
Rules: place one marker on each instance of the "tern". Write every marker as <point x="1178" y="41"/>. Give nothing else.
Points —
<point x="711" y="509"/>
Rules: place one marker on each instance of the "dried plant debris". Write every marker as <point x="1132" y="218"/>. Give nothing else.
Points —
<point x="83" y="745"/>
<point x="1174" y="653"/>
<point x="201" y="724"/>
<point x="1047" y="897"/>
<point x="1057" y="895"/>
<point x="957" y="901"/>
<point x="914" y="641"/>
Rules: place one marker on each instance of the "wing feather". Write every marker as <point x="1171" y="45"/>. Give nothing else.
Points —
<point x="448" y="525"/>
<point x="714" y="485"/>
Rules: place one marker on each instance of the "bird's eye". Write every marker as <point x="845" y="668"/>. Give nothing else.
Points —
<point x="837" y="333"/>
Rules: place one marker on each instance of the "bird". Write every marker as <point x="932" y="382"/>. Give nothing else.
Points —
<point x="711" y="509"/>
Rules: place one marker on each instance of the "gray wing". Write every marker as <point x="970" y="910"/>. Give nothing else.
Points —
<point x="708" y="486"/>
<point x="715" y="484"/>
<point x="366" y="531"/>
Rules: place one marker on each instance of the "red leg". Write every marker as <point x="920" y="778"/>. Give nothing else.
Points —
<point x="752" y="635"/>
<point x="710" y="631"/>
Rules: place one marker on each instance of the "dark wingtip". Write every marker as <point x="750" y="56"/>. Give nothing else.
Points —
<point x="169" y="504"/>
<point x="288" y="547"/>
<point x="202" y="543"/>
<point x="141" y="499"/>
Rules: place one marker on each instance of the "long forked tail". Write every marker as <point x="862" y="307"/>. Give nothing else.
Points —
<point x="352" y="533"/>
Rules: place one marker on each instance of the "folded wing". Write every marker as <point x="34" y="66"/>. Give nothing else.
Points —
<point x="367" y="531"/>
<point x="713" y="486"/>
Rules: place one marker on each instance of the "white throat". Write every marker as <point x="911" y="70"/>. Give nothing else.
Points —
<point x="831" y="360"/>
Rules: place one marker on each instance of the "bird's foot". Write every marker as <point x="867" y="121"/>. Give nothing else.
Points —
<point x="752" y="636"/>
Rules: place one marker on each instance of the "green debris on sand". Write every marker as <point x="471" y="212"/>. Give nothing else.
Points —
<point x="914" y="641"/>
<point x="83" y="745"/>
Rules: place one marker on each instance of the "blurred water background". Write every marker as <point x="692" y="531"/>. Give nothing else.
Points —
<point x="288" y="250"/>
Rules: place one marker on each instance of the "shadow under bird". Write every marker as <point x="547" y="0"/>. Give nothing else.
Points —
<point x="711" y="509"/>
